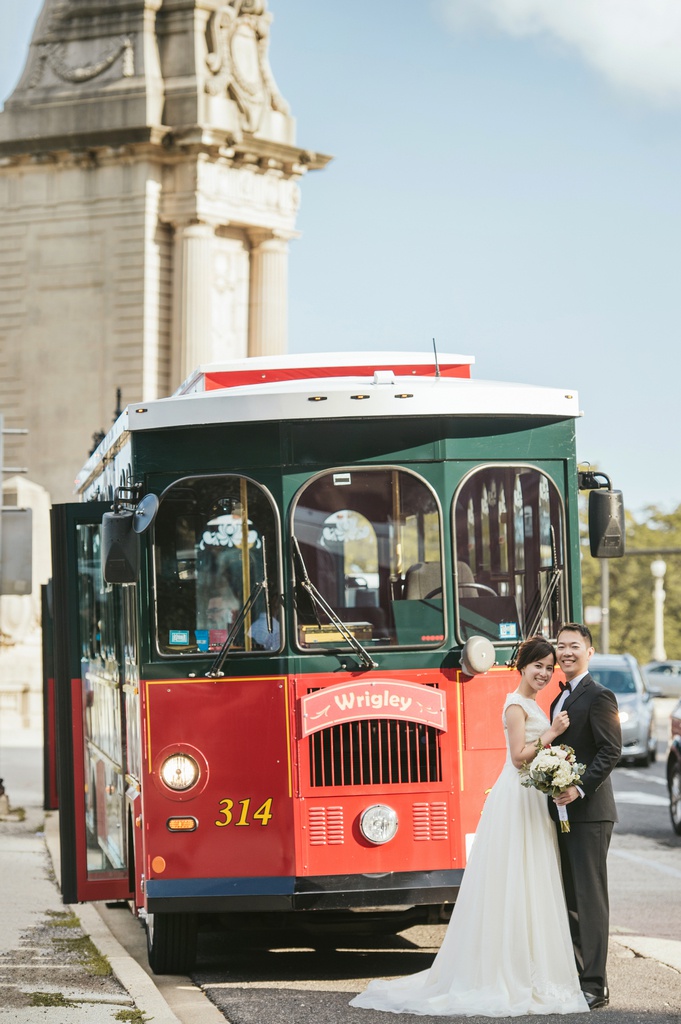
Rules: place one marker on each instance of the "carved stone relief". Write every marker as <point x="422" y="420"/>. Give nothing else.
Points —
<point x="238" y="38"/>
<point x="54" y="56"/>
<point x="52" y="51"/>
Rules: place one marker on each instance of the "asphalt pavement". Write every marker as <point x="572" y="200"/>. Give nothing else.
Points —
<point x="63" y="965"/>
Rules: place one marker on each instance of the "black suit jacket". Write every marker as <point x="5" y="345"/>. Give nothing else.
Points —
<point x="596" y="737"/>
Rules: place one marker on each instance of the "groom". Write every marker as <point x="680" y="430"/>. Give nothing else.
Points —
<point x="595" y="734"/>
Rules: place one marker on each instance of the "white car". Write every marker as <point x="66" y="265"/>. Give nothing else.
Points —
<point x="664" y="676"/>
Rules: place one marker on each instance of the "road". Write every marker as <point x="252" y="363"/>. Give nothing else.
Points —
<point x="645" y="857"/>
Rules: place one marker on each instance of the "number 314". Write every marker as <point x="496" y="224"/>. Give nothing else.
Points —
<point x="230" y="816"/>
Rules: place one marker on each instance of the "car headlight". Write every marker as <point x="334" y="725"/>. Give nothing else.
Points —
<point x="624" y="717"/>
<point x="378" y="823"/>
<point x="180" y="772"/>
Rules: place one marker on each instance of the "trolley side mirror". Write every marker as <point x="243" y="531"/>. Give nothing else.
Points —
<point x="606" y="516"/>
<point x="121" y="529"/>
<point x="120" y="548"/>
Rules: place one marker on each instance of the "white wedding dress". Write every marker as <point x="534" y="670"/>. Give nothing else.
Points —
<point x="507" y="950"/>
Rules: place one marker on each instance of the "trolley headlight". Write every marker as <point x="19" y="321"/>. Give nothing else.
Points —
<point x="378" y="823"/>
<point x="180" y="772"/>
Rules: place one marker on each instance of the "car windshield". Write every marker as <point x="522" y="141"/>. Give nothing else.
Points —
<point x="617" y="680"/>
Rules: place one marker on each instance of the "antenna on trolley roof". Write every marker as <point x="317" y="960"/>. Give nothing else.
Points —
<point x="437" y="365"/>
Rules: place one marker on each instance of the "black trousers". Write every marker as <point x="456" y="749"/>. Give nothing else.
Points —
<point x="583" y="856"/>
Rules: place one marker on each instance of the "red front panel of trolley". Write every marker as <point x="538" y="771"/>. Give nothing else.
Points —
<point x="236" y="820"/>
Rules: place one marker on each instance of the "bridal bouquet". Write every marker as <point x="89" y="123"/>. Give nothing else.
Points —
<point x="552" y="771"/>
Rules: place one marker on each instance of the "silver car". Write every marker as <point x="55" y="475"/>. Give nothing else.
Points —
<point x="664" y="676"/>
<point x="621" y="674"/>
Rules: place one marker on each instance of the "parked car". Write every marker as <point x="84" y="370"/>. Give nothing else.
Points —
<point x="665" y="676"/>
<point x="674" y="770"/>
<point x="621" y="674"/>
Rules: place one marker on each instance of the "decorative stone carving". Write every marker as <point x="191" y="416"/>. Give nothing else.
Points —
<point x="238" y="38"/>
<point x="53" y="55"/>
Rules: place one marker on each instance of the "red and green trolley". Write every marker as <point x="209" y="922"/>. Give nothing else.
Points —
<point x="284" y="607"/>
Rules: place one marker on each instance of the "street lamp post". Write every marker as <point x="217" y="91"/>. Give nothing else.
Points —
<point x="658" y="569"/>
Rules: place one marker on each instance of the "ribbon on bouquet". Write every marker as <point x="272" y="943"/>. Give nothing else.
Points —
<point x="563" y="817"/>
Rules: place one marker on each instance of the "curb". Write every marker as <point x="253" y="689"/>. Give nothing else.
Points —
<point x="665" y="951"/>
<point x="132" y="977"/>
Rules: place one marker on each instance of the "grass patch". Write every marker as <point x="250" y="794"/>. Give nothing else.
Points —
<point x="50" y="999"/>
<point x="132" y="1016"/>
<point x="62" y="919"/>
<point x="88" y="954"/>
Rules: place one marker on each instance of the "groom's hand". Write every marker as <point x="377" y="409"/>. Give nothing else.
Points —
<point x="567" y="797"/>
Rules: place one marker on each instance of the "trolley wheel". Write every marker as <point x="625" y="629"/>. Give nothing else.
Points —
<point x="171" y="942"/>
<point x="675" y="798"/>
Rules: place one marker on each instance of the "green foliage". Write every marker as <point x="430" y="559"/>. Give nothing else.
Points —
<point x="631" y="586"/>
<point x="62" y="919"/>
<point x="92" y="960"/>
<point x="50" y="999"/>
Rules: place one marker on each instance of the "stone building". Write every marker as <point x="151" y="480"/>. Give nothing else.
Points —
<point x="149" y="185"/>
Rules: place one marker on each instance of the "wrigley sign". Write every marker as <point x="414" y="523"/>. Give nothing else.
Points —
<point x="378" y="698"/>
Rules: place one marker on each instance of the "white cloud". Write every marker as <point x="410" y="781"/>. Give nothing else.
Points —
<point x="635" y="44"/>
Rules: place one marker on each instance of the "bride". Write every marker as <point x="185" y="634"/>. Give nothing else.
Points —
<point x="507" y="950"/>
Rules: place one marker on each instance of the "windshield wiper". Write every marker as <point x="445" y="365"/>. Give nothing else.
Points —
<point x="553" y="581"/>
<point x="256" y="590"/>
<point x="320" y="602"/>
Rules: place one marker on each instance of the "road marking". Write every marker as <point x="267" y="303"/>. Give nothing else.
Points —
<point x="628" y="796"/>
<point x="632" y="773"/>
<point x="664" y="868"/>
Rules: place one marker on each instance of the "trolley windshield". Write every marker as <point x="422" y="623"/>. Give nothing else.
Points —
<point x="370" y="545"/>
<point x="215" y="543"/>
<point x="510" y="554"/>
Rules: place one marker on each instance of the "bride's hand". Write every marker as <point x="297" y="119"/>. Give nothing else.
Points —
<point x="560" y="723"/>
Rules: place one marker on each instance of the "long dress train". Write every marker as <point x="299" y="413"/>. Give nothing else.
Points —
<point x="507" y="950"/>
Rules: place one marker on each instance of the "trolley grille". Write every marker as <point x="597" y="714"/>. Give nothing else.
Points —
<point x="379" y="752"/>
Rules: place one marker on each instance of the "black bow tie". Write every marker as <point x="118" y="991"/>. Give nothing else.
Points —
<point x="565" y="686"/>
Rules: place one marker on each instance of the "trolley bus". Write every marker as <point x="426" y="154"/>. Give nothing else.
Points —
<point x="285" y="604"/>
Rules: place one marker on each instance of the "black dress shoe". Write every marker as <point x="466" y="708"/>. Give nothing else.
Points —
<point x="595" y="1000"/>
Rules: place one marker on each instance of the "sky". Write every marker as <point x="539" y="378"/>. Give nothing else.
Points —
<point x="506" y="180"/>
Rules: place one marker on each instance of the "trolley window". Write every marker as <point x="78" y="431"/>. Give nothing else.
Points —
<point x="369" y="542"/>
<point x="510" y="554"/>
<point x="215" y="540"/>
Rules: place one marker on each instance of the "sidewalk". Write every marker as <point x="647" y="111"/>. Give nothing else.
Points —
<point x="61" y="964"/>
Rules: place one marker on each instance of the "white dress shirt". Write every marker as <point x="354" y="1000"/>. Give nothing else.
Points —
<point x="570" y="688"/>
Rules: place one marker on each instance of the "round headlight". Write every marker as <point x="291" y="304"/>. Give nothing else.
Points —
<point x="378" y="823"/>
<point x="180" y="772"/>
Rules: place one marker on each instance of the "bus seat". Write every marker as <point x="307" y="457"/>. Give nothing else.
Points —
<point x="465" y="575"/>
<point x="423" y="580"/>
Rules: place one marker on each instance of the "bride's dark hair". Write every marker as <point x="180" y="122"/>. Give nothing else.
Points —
<point x="533" y="649"/>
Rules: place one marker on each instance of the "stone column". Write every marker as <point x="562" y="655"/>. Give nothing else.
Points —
<point x="193" y="308"/>
<point x="268" y="297"/>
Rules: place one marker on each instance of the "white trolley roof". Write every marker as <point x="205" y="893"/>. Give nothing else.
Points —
<point x="336" y="386"/>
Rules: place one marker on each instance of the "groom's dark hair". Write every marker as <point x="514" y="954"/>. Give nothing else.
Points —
<point x="577" y="627"/>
